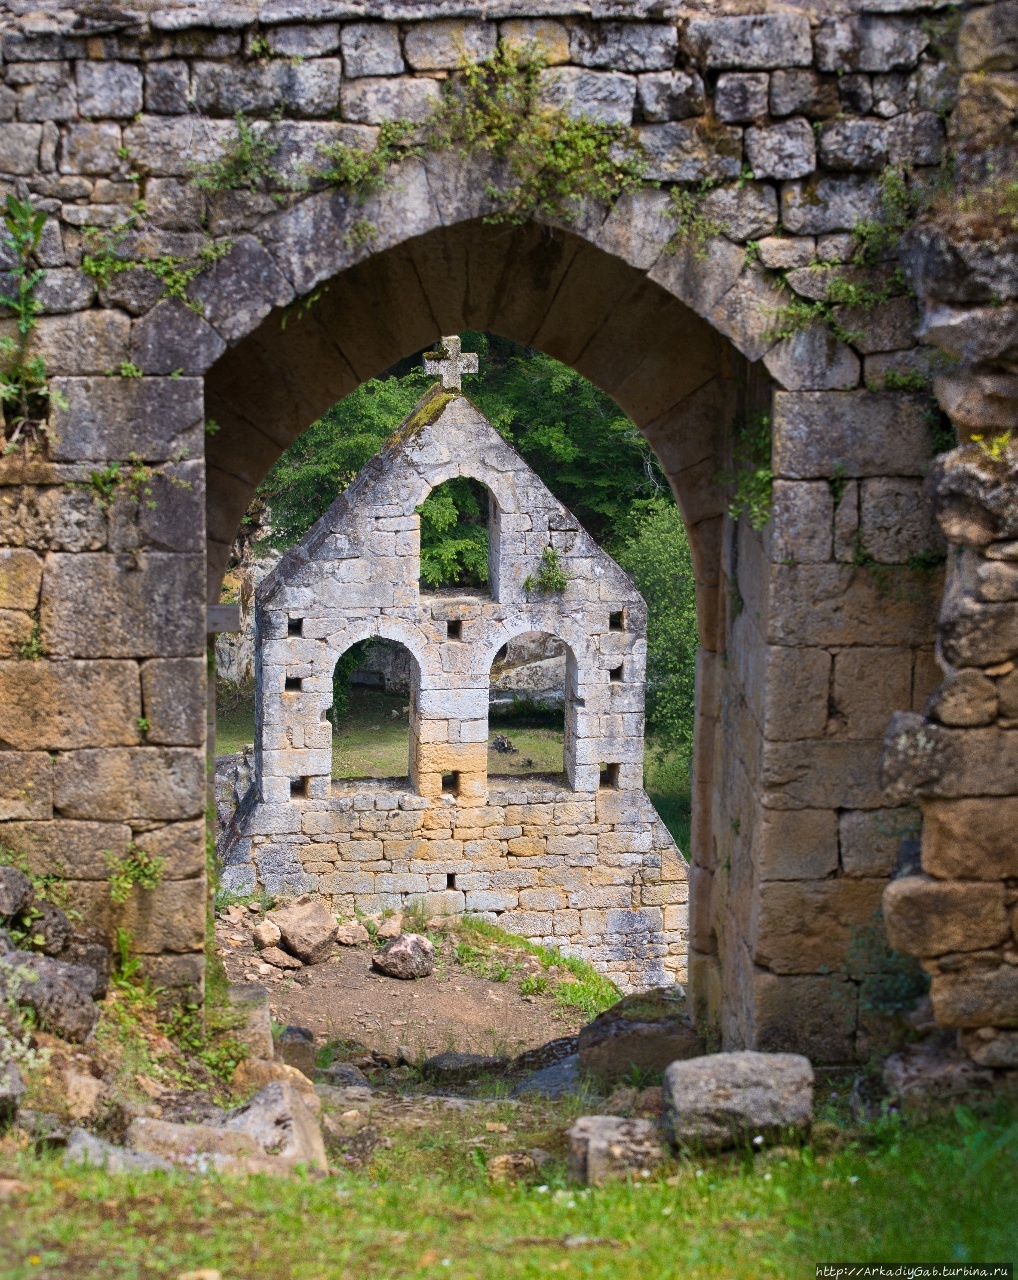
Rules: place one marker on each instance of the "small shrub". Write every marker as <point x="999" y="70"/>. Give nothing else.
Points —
<point x="135" y="867"/>
<point x="550" y="576"/>
<point x="751" y="479"/>
<point x="692" y="225"/>
<point x="246" y="162"/>
<point x="534" y="984"/>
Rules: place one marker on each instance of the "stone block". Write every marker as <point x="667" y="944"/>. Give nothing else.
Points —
<point x="605" y="1147"/>
<point x="180" y="844"/>
<point x="988" y="39"/>
<point x="741" y="97"/>
<point x="64" y="289"/>
<point x="58" y="706"/>
<point x="896" y="520"/>
<point x="20" y="578"/>
<point x="795" y="695"/>
<point x="853" y="144"/>
<point x="174" y="700"/>
<point x="47" y="102"/>
<point x="302" y="40"/>
<point x="76" y="850"/>
<point x="108" y="90"/>
<point x="757" y="42"/>
<point x="797" y="91"/>
<point x="798" y="844"/>
<point x="971" y="839"/>
<point x="90" y="148"/>
<point x="869" y="840"/>
<point x="371" y="49"/>
<point x="927" y="917"/>
<point x="444" y="43"/>
<point x="168" y="918"/>
<point x="26" y="785"/>
<point x="670" y="95"/>
<point x="807" y="926"/>
<point x="786" y="252"/>
<point x="813" y="359"/>
<point x="114" y="418"/>
<point x="725" y="1100"/>
<point x="375" y="99"/>
<point x="172" y="337"/>
<point x="529" y="924"/>
<point x="99" y="605"/>
<point x="977" y="996"/>
<point x="19" y="148"/>
<point x="744" y="212"/>
<point x="916" y="138"/>
<point x="966" y="699"/>
<point x="119" y="784"/>
<point x="624" y="46"/>
<point x="605" y="96"/>
<point x="81" y="343"/>
<point x="171" y="147"/>
<point x="866" y="433"/>
<point x="548" y="37"/>
<point x="685" y="153"/>
<point x="815" y="774"/>
<point x="807" y="1014"/>
<point x="826" y="203"/>
<point x="784" y="150"/>
<point x="868" y="684"/>
<point x="241" y="289"/>
<point x="167" y="87"/>
<point x="258" y="88"/>
<point x="870" y="43"/>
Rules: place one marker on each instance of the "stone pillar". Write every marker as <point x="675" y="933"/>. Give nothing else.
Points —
<point x="103" y="681"/>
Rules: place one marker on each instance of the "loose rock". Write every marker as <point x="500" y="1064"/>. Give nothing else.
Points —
<point x="390" y="928"/>
<point x="61" y="994"/>
<point x="460" y="1066"/>
<point x="277" y="1117"/>
<point x="266" y="934"/>
<point x="602" y="1147"/>
<point x="255" y="1073"/>
<point x="308" y="930"/>
<point x="728" y="1099"/>
<point x="16" y="892"/>
<point x="934" y="1074"/>
<point x="352" y="934"/>
<point x="409" y="956"/>
<point x="280" y="959"/>
<point x="341" y="1073"/>
<point x="649" y="1031"/>
<point x="84" y="1148"/>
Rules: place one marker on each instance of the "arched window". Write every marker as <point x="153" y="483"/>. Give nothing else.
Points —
<point x="455" y="544"/>
<point x="529" y="695"/>
<point x="373" y="687"/>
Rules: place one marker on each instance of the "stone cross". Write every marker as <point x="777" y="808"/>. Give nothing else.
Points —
<point x="450" y="362"/>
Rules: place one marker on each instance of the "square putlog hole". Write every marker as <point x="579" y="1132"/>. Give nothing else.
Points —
<point x="609" y="780"/>
<point x="299" y="788"/>
<point x="293" y="684"/>
<point x="451" y="783"/>
<point x="617" y="621"/>
<point x="454" y="630"/>
<point x="615" y="674"/>
<point x="295" y="627"/>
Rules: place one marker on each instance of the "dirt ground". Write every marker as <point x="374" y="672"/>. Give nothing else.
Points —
<point x="452" y="1009"/>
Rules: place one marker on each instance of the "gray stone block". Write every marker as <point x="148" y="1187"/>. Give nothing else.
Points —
<point x="46" y="102"/>
<point x="303" y="40"/>
<point x="624" y="46"/>
<point x="303" y="88"/>
<point x="829" y="203"/>
<point x="371" y="49"/>
<point x="854" y="144"/>
<point x="167" y="88"/>
<point x="174" y="701"/>
<point x="83" y="342"/>
<point x="670" y="95"/>
<point x="756" y="43"/>
<point x="373" y="100"/>
<point x="868" y="434"/>
<point x="813" y="360"/>
<point x="172" y="147"/>
<point x="681" y="153"/>
<point x="111" y="418"/>
<point x="171" y="338"/>
<point x="870" y="43"/>
<point x="446" y="42"/>
<point x="785" y="150"/>
<point x="131" y="783"/>
<point x="90" y="148"/>
<point x="916" y="138"/>
<point x="744" y="212"/>
<point x="19" y="148"/>
<point x="63" y="290"/>
<point x="241" y="289"/>
<point x="605" y="96"/>
<point x="108" y="90"/>
<point x="741" y="97"/>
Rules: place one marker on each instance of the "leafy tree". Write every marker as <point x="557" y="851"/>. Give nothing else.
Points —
<point x="656" y="556"/>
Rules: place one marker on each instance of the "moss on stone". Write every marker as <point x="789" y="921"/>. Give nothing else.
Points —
<point x="427" y="410"/>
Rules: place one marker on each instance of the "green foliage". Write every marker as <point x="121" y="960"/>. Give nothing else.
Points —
<point x="25" y="395"/>
<point x="892" y="982"/>
<point x="841" y="291"/>
<point x="656" y="556"/>
<point x="551" y="161"/>
<point x="906" y="380"/>
<point x="128" y="369"/>
<point x="692" y="225"/>
<point x="246" y="162"/>
<point x="454" y="534"/>
<point x="134" y="480"/>
<point x="534" y="984"/>
<point x="137" y="867"/>
<point x="104" y="259"/>
<point x="127" y="978"/>
<point x="549" y="577"/>
<point x="751" y="479"/>
<point x="902" y="201"/>
<point x="33" y="649"/>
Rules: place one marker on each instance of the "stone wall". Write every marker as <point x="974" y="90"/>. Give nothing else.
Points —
<point x="956" y="906"/>
<point x="805" y="653"/>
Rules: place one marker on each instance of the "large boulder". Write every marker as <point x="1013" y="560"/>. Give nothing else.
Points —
<point x="255" y="1073"/>
<point x="50" y="929"/>
<point x="280" y="1122"/>
<point x="61" y="994"/>
<point x="602" y="1147"/>
<point x="647" y="1031"/>
<point x="308" y="929"/>
<point x="16" y="892"/>
<point x="87" y="950"/>
<point x="410" y="955"/>
<point x="734" y="1099"/>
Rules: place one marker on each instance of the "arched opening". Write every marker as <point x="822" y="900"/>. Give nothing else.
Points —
<point x="374" y="685"/>
<point x="528" y="705"/>
<point x="457" y="520"/>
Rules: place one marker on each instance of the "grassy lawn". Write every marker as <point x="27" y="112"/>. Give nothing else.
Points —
<point x="941" y="1192"/>
<point x="372" y="742"/>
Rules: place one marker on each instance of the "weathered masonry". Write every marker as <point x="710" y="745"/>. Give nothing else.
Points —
<point x="814" y="629"/>
<point x="582" y="862"/>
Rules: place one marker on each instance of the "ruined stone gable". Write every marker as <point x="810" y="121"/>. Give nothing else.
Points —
<point x="581" y="863"/>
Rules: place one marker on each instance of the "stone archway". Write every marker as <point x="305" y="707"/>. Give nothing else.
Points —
<point x="804" y="654"/>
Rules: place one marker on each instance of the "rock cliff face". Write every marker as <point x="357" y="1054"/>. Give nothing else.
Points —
<point x="958" y="911"/>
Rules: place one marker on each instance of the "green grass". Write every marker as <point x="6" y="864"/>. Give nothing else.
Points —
<point x="941" y="1192"/>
